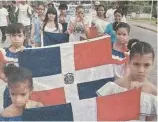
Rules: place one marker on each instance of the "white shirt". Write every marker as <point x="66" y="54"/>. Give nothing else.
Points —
<point x="110" y="15"/>
<point x="100" y="24"/>
<point x="23" y="17"/>
<point x="54" y="29"/>
<point x="3" y="15"/>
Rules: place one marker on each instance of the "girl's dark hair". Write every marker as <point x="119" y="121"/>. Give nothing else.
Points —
<point x="117" y="25"/>
<point x="79" y="6"/>
<point x="63" y="6"/>
<point x="136" y="46"/>
<point x="16" y="28"/>
<point x="18" y="74"/>
<point x="51" y="10"/>
<point x="118" y="11"/>
<point x="101" y="5"/>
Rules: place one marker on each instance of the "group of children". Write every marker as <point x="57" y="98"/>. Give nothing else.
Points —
<point x="19" y="80"/>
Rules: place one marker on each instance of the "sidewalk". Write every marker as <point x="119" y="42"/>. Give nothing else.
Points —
<point x="143" y="24"/>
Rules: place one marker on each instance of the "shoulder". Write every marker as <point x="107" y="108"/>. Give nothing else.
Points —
<point x="148" y="87"/>
<point x="7" y="112"/>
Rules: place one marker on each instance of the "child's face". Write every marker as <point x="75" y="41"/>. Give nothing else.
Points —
<point x="101" y="11"/>
<point x="118" y="17"/>
<point x="80" y="12"/>
<point x="122" y="35"/>
<point x="51" y="16"/>
<point x="17" y="39"/>
<point x="140" y="66"/>
<point x="19" y="93"/>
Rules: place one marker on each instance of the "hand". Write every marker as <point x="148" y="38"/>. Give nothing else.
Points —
<point x="136" y="84"/>
<point x="33" y="104"/>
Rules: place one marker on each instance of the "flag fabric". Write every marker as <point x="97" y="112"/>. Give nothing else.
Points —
<point x="116" y="107"/>
<point x="68" y="76"/>
<point x="54" y="38"/>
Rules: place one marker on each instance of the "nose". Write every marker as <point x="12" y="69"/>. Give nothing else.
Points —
<point x="18" y="99"/>
<point x="141" y="69"/>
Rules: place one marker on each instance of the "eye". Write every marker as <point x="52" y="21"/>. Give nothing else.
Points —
<point x="124" y="34"/>
<point x="13" y="94"/>
<point x="147" y="65"/>
<point x="23" y="94"/>
<point x="136" y="64"/>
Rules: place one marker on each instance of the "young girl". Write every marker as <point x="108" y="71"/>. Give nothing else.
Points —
<point x="20" y="85"/>
<point x="100" y="21"/>
<point x="141" y="60"/>
<point x="78" y="27"/>
<point x="120" y="47"/>
<point x="110" y="27"/>
<point x="37" y="21"/>
<point x="51" y="22"/>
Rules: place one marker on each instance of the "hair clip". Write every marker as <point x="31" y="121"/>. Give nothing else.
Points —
<point x="133" y="44"/>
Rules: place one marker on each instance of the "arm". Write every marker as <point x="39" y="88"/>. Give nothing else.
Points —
<point x="71" y="26"/>
<point x="32" y="32"/>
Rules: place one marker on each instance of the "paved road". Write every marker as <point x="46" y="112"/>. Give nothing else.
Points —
<point x="136" y="32"/>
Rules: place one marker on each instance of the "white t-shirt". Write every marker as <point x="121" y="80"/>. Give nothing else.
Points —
<point x="23" y="17"/>
<point x="100" y="24"/>
<point x="3" y="15"/>
<point x="110" y="15"/>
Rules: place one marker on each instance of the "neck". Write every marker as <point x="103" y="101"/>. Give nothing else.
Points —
<point x="119" y="46"/>
<point x="16" y="49"/>
<point x="131" y="78"/>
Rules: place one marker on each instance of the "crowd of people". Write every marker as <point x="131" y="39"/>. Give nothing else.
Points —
<point x="25" y="26"/>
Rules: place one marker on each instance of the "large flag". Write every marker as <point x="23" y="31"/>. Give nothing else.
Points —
<point x="66" y="78"/>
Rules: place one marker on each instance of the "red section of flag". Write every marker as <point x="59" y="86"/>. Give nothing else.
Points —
<point x="92" y="54"/>
<point x="50" y="97"/>
<point x="119" y="107"/>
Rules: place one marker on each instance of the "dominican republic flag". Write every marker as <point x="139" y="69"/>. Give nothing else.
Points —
<point x="54" y="38"/>
<point x="66" y="78"/>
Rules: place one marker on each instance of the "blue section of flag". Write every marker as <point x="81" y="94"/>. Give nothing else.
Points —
<point x="50" y="113"/>
<point x="88" y="89"/>
<point x="42" y="61"/>
<point x="54" y="38"/>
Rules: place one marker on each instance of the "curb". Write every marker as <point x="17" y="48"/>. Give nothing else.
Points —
<point x="145" y="28"/>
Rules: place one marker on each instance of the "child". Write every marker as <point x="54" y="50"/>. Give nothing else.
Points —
<point x="37" y="22"/>
<point x="78" y="27"/>
<point x="110" y="27"/>
<point x="140" y="63"/>
<point x="20" y="85"/>
<point x="120" y="47"/>
<point x="122" y="35"/>
<point x="100" y="21"/>
<point x="51" y="22"/>
<point x="17" y="37"/>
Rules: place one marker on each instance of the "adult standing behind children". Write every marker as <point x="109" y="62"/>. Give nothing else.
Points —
<point x="37" y="22"/>
<point x="24" y="17"/>
<point x="110" y="13"/>
<point x="63" y="18"/>
<point x="4" y="20"/>
<point x="100" y="21"/>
